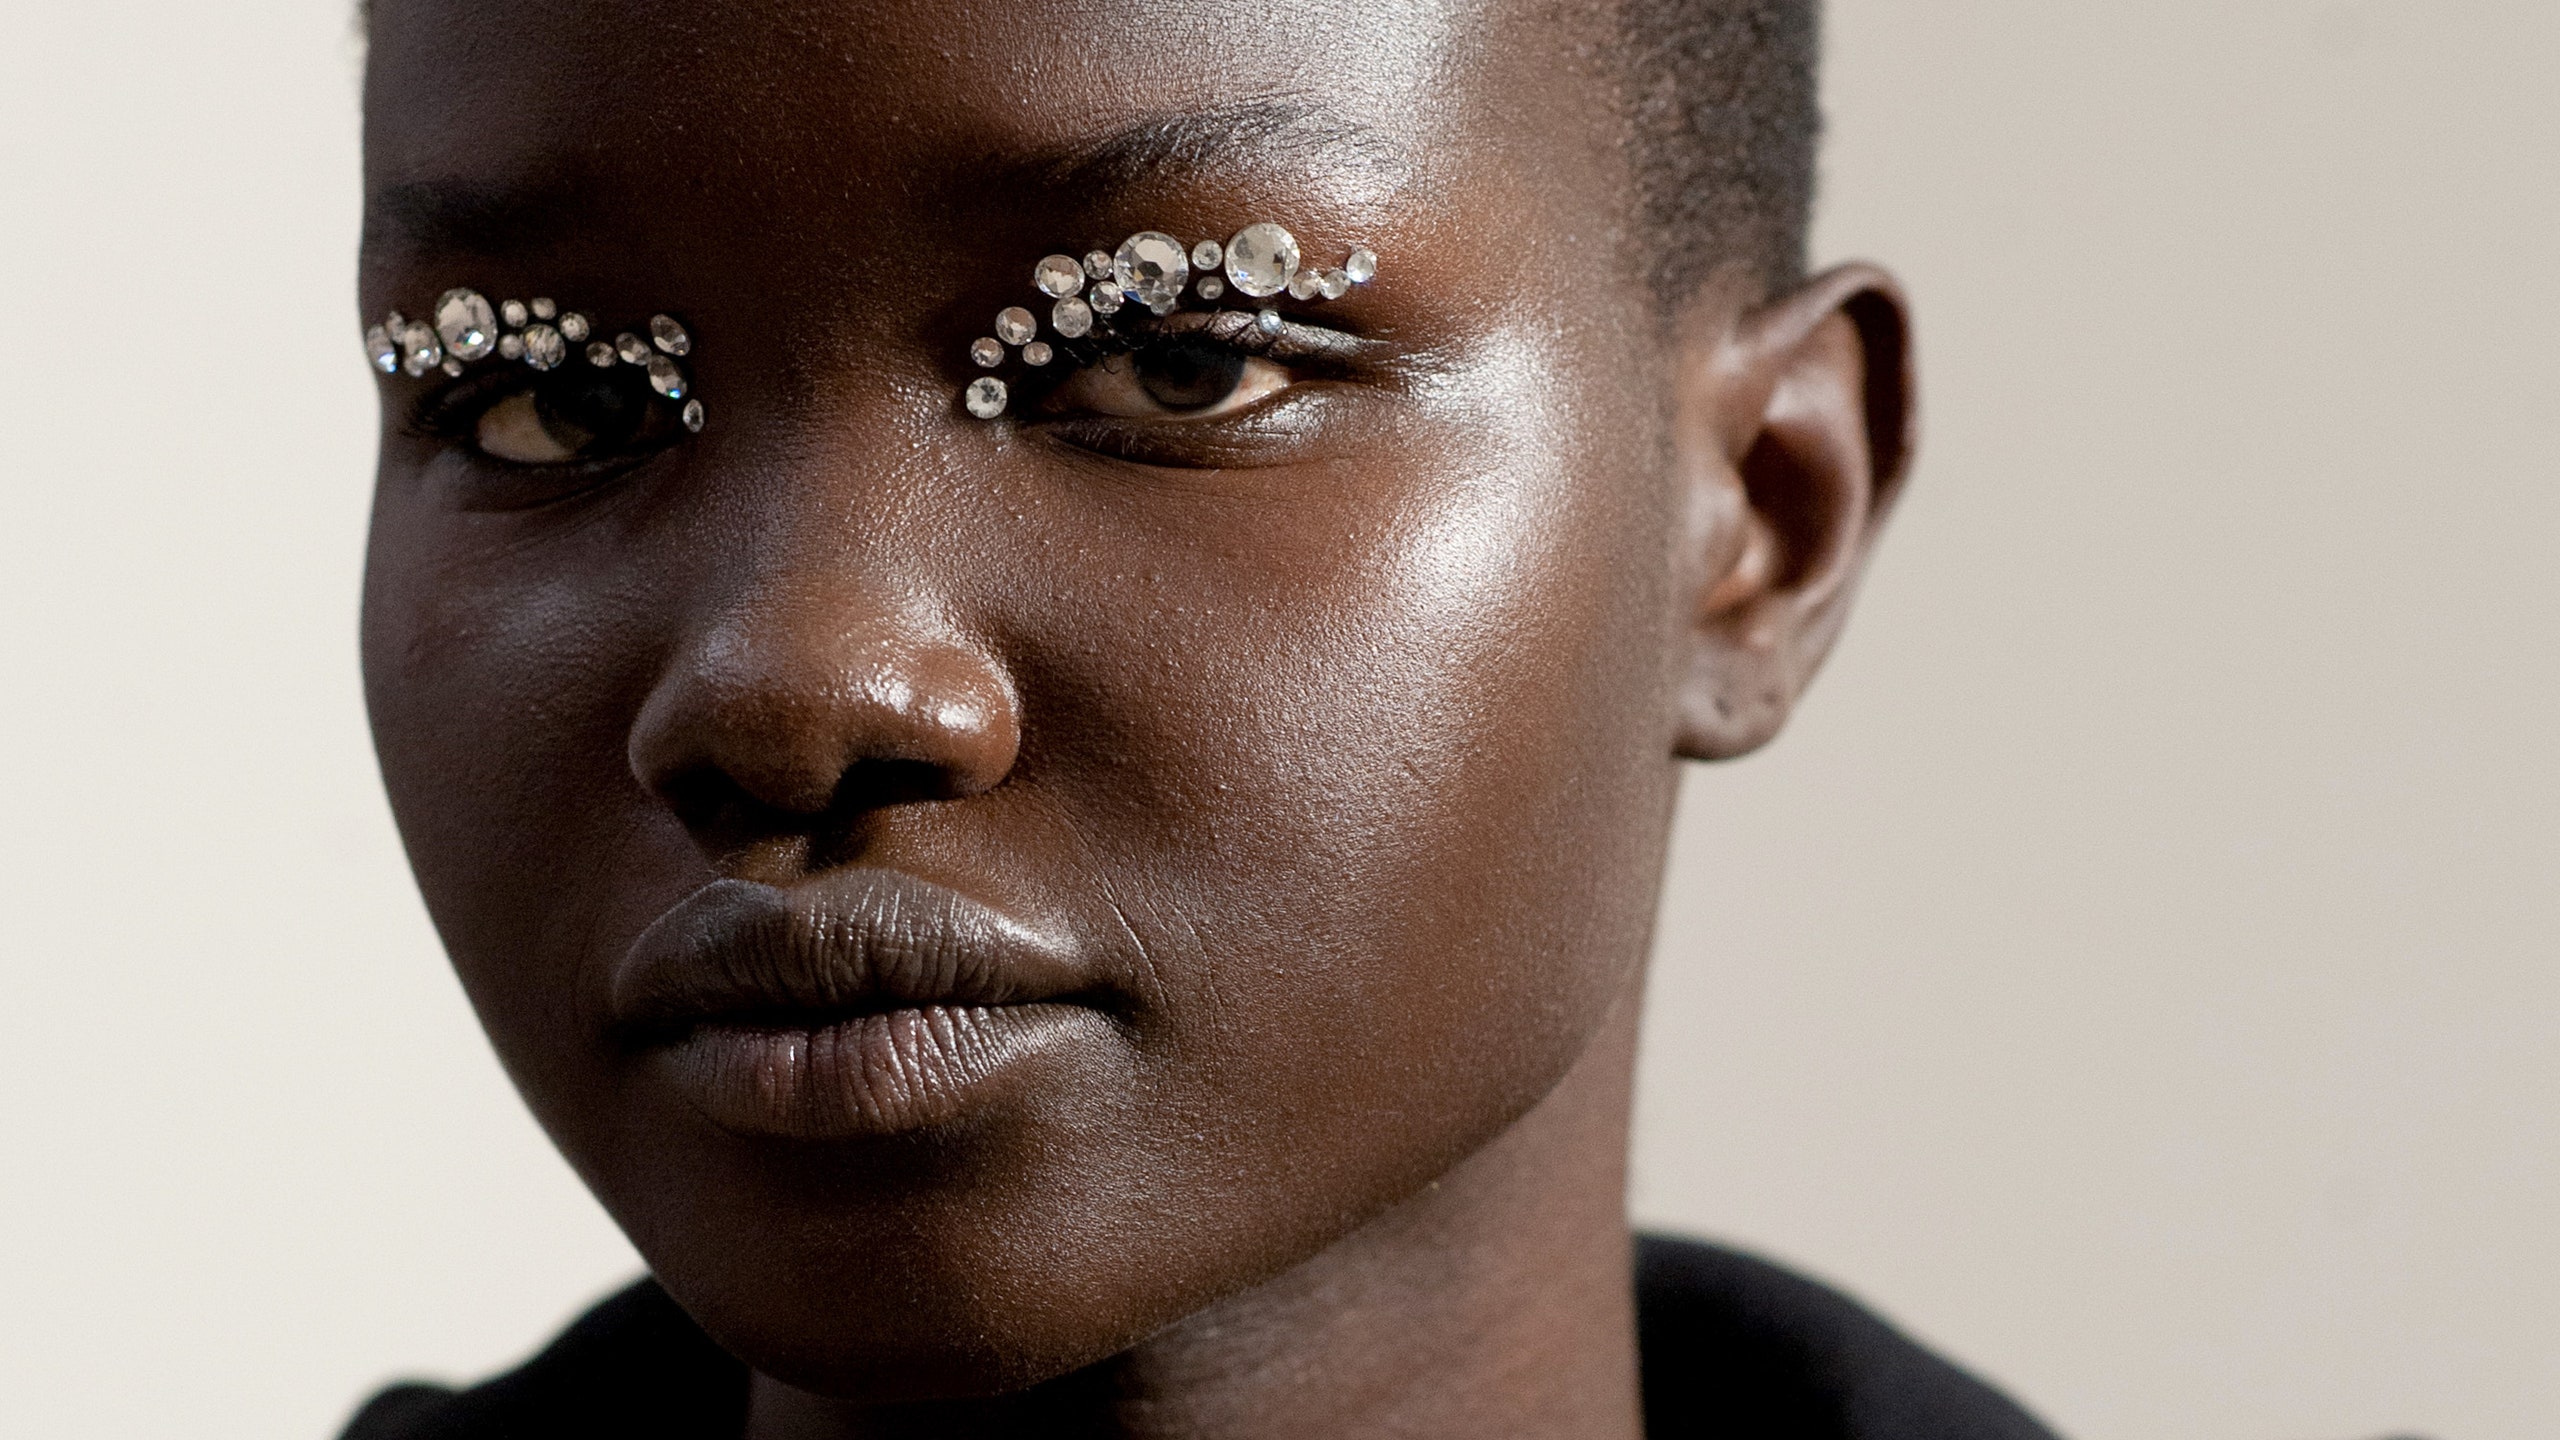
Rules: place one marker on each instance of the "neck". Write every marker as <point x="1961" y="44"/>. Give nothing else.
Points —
<point x="1497" y="1304"/>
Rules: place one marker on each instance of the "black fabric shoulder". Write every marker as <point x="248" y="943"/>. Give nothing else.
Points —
<point x="1737" y="1346"/>
<point x="633" y="1368"/>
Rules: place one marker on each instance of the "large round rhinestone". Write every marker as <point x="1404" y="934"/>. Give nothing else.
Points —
<point x="1058" y="276"/>
<point x="1152" y="267"/>
<point x="544" y="347"/>
<point x="1261" y="259"/>
<point x="1072" y="317"/>
<point x="1014" y="325"/>
<point x="420" y="349"/>
<point x="467" y="324"/>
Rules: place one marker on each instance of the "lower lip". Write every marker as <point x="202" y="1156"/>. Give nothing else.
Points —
<point x="883" y="1074"/>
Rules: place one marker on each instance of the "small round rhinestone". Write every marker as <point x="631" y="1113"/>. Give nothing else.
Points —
<point x="573" y="325"/>
<point x="631" y="348"/>
<point x="544" y="347"/>
<point x="669" y="336"/>
<point x="514" y="313"/>
<point x="1362" y="267"/>
<point x="1097" y="264"/>
<point x="987" y="352"/>
<point x="986" y="397"/>
<point x="1268" y="322"/>
<point x="665" y="377"/>
<point x="600" y="355"/>
<point x="382" y="350"/>
<point x="693" y="416"/>
<point x="1334" y="283"/>
<point x="1261" y="259"/>
<point x="1038" y="353"/>
<point x="1304" y="285"/>
<point x="1014" y="325"/>
<point x="1104" y="299"/>
<point x="543" y="309"/>
<point x="510" y="347"/>
<point x="453" y="367"/>
<point x="1071" y="317"/>
<point x="1207" y="255"/>
<point x="1210" y="287"/>
<point x="1057" y="276"/>
<point x="420" y="350"/>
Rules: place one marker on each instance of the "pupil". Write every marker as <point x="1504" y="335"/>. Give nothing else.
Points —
<point x="1190" y="374"/>
<point x="597" y="408"/>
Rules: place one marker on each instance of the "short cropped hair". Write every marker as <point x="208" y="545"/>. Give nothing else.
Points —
<point x="1725" y="120"/>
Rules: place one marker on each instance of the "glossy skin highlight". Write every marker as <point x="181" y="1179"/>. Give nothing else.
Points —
<point x="1327" y="746"/>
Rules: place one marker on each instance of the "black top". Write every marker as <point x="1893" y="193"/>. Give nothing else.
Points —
<point x="1733" y="1347"/>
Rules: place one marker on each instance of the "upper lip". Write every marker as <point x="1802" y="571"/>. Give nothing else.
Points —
<point x="847" y="943"/>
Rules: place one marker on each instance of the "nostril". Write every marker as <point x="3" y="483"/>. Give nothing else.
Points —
<point x="701" y="797"/>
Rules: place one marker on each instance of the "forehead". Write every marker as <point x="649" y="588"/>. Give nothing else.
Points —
<point x="493" y="125"/>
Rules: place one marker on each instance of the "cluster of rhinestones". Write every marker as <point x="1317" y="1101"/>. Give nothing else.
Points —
<point x="1155" y="271"/>
<point x="465" y="329"/>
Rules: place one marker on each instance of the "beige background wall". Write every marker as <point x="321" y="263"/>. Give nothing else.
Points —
<point x="2135" y="972"/>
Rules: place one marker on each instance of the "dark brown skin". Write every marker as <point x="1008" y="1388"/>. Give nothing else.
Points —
<point x="1335" y="742"/>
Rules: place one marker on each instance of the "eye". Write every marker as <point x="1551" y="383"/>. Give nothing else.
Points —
<point x="565" y="418"/>
<point x="1182" y="377"/>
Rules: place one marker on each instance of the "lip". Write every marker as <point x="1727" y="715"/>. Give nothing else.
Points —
<point x="864" y="1002"/>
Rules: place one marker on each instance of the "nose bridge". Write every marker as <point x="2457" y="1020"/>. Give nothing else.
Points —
<point x="823" y="656"/>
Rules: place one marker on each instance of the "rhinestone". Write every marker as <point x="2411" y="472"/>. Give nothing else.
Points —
<point x="1097" y="264"/>
<point x="631" y="348"/>
<point x="544" y="347"/>
<point x="543" y="309"/>
<point x="669" y="336"/>
<point x="514" y="313"/>
<point x="1362" y="266"/>
<point x="395" y="322"/>
<point x="573" y="326"/>
<point x="1058" y="275"/>
<point x="1334" y="283"/>
<point x="385" y="353"/>
<point x="1153" y="268"/>
<point x="453" y="367"/>
<point x="1261" y="258"/>
<point x="1071" y="317"/>
<point x="987" y="351"/>
<point x="693" y="416"/>
<point x="1104" y="300"/>
<point x="1014" y="325"/>
<point x="510" y="347"/>
<point x="1304" y="285"/>
<point x="600" y="355"/>
<point x="1211" y="287"/>
<point x="1207" y="255"/>
<point x="1268" y="322"/>
<point x="986" y="397"/>
<point x="420" y="350"/>
<point x="664" y="377"/>
<point x="467" y="325"/>
<point x="1038" y="353"/>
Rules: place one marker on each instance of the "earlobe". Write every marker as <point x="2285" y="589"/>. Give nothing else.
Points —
<point x="1794" y="433"/>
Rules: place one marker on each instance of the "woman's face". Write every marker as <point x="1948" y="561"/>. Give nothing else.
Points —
<point x="968" y="894"/>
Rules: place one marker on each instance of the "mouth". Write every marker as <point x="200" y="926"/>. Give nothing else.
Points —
<point x="865" y="1002"/>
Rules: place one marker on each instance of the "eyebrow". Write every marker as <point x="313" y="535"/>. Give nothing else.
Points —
<point x="1292" y="136"/>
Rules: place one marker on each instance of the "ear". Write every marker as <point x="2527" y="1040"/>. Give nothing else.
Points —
<point x="1793" y="431"/>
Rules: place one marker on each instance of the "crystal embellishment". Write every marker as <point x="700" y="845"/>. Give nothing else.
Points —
<point x="1105" y="299"/>
<point x="987" y="351"/>
<point x="1334" y="284"/>
<point x="1071" y="317"/>
<point x="1210" y="287"/>
<point x="1261" y="260"/>
<point x="1152" y="267"/>
<point x="1362" y="267"/>
<point x="510" y="347"/>
<point x="1014" y="325"/>
<point x="669" y="336"/>
<point x="693" y="416"/>
<point x="467" y="324"/>
<point x="1304" y="285"/>
<point x="514" y="313"/>
<point x="986" y="397"/>
<point x="600" y="355"/>
<point x="1058" y="276"/>
<point x="420" y="349"/>
<point x="631" y="348"/>
<point x="665" y="378"/>
<point x="1038" y="353"/>
<point x="543" y="309"/>
<point x="1097" y="264"/>
<point x="572" y="325"/>
<point x="544" y="347"/>
<point x="383" y="351"/>
<point x="1207" y="255"/>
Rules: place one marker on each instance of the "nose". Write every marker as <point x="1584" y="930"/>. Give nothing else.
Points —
<point x="823" y="703"/>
